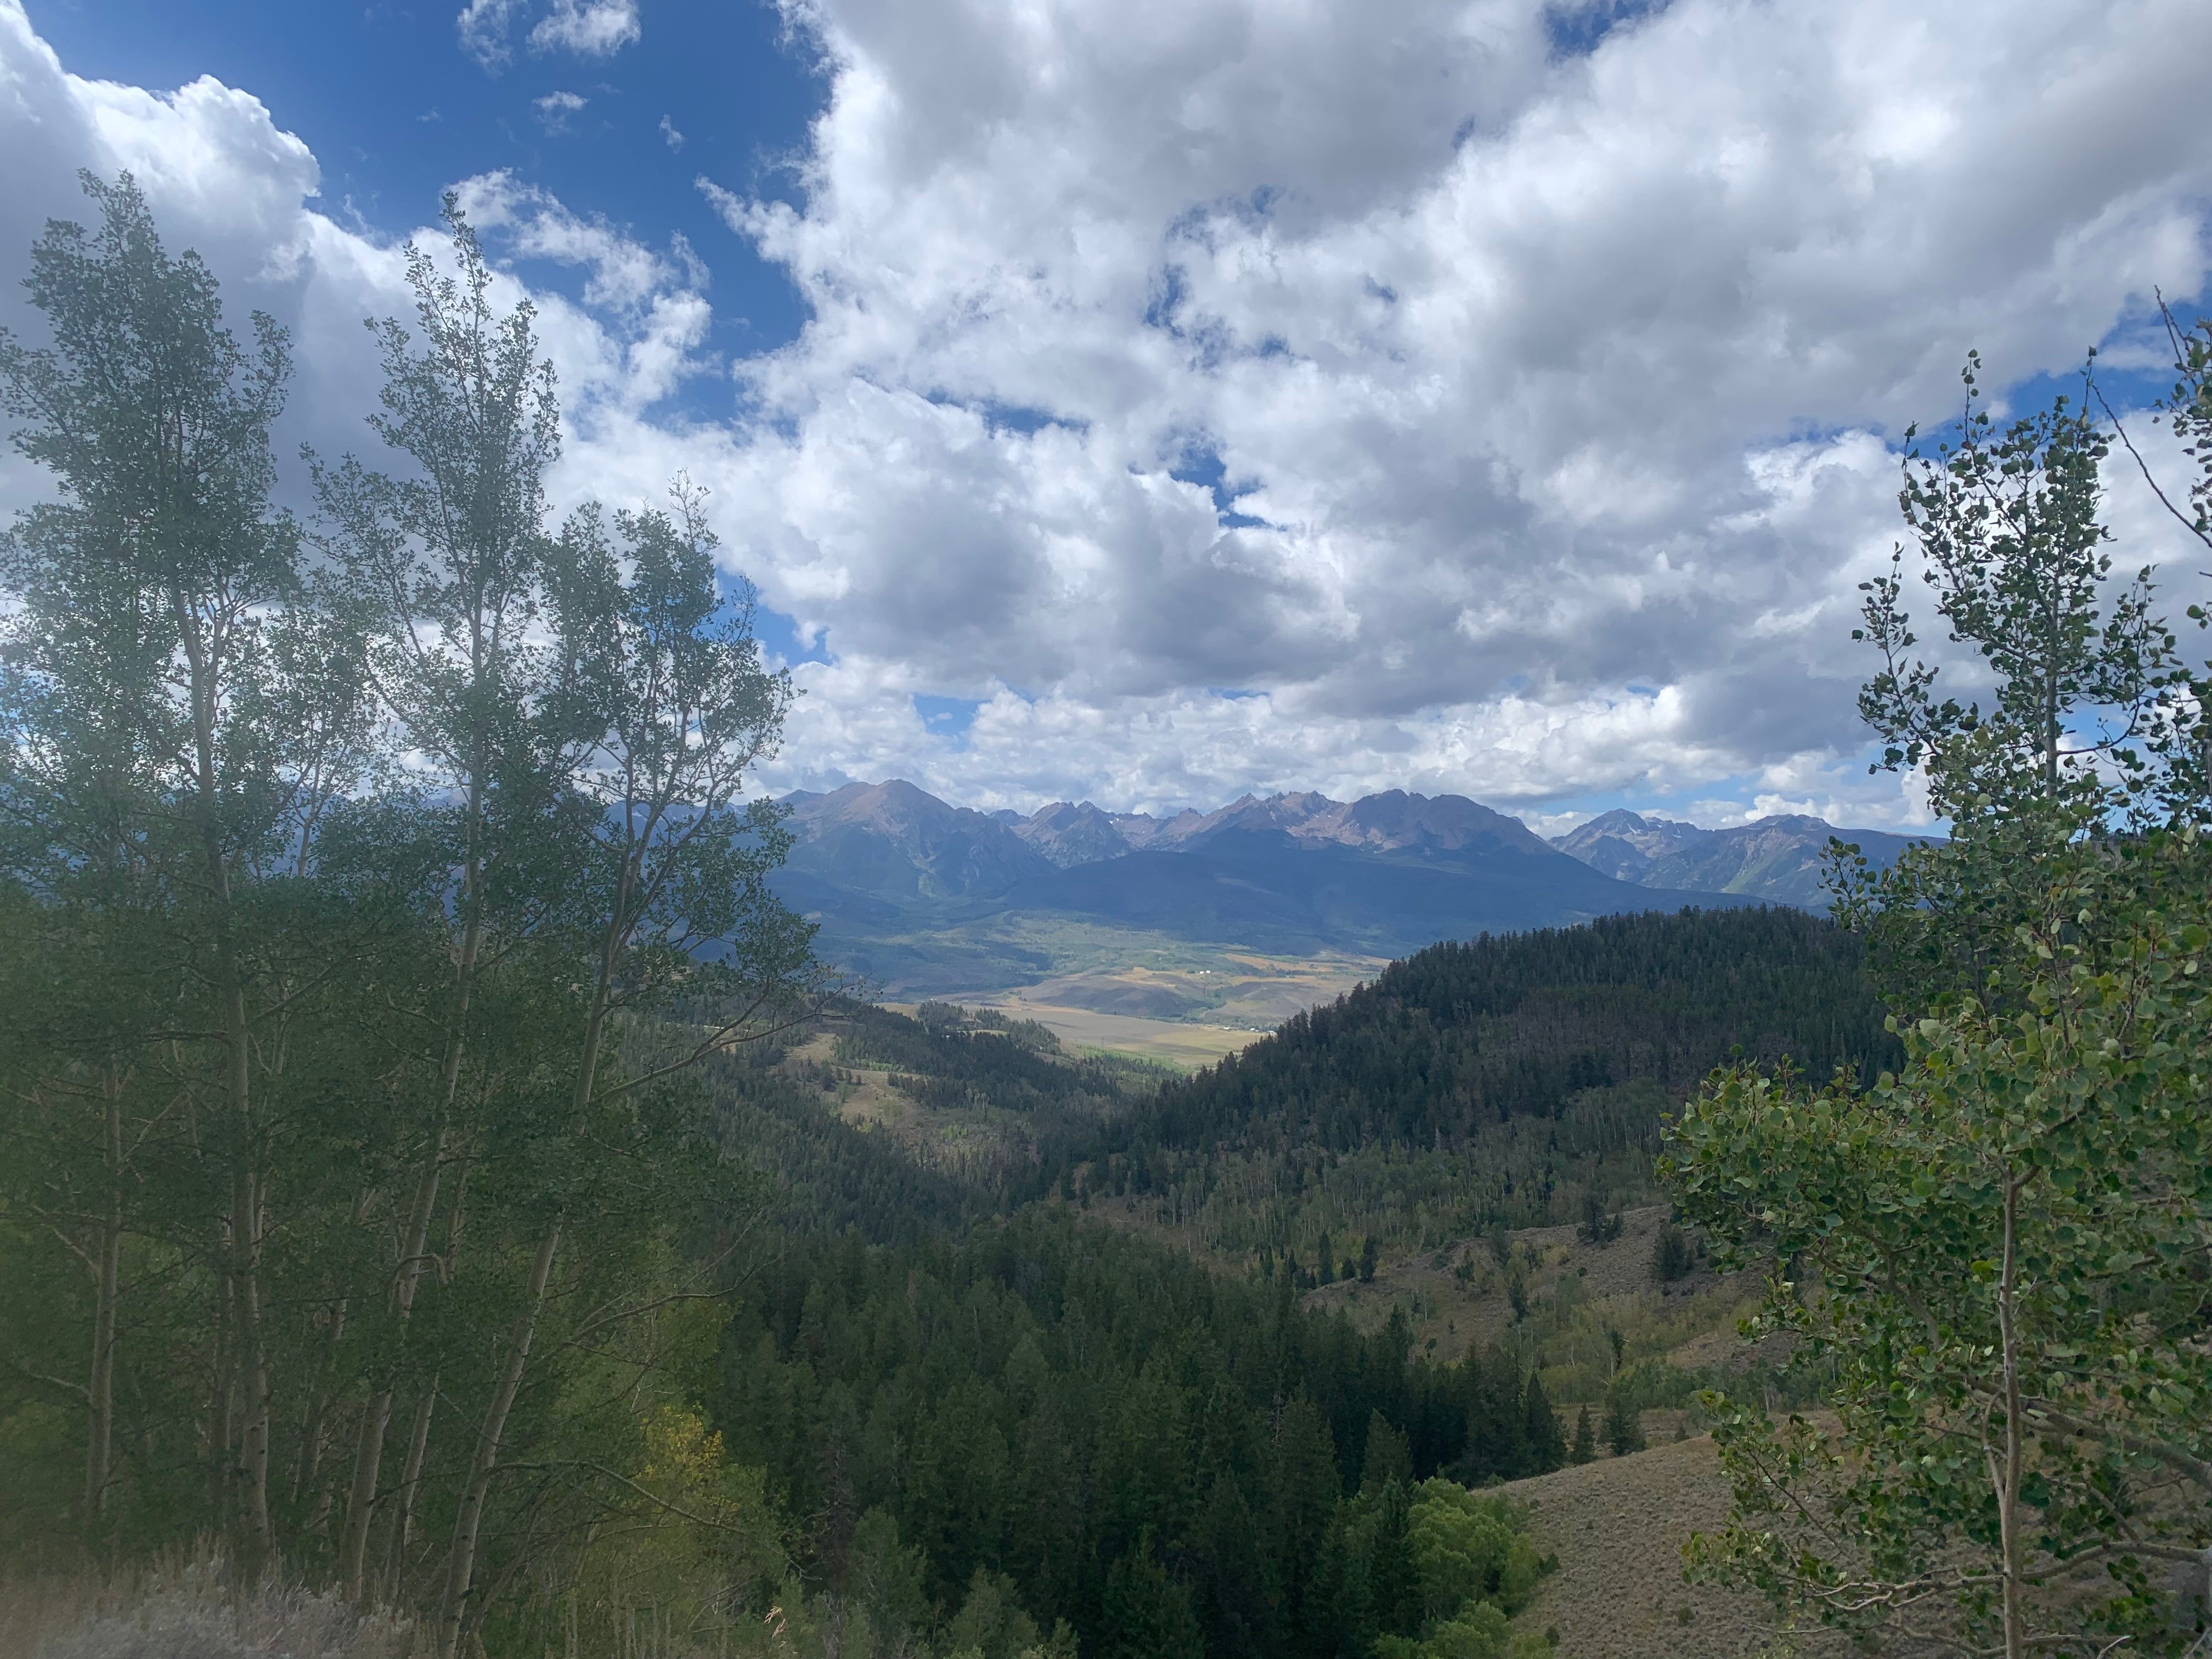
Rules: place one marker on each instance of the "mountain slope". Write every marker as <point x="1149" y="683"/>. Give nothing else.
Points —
<point x="1624" y="844"/>
<point x="894" y="842"/>
<point x="921" y="896"/>
<point x="1275" y="891"/>
<point x="1447" y="1043"/>
<point x="1778" y="859"/>
<point x="1067" y="834"/>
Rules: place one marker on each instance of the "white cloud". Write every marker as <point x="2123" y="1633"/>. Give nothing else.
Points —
<point x="590" y="29"/>
<point x="1555" y="384"/>
<point x="483" y="26"/>
<point x="732" y="209"/>
<point x="669" y="135"/>
<point x="555" y="109"/>
<point x="1552" y="392"/>
<point x="223" y="178"/>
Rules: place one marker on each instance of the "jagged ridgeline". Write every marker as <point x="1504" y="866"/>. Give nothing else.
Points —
<point x="1505" y="1080"/>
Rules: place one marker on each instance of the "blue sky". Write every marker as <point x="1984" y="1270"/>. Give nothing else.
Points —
<point x="1156" y="400"/>
<point x="395" y="109"/>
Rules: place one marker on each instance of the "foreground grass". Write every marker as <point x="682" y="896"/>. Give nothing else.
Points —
<point x="185" y="1612"/>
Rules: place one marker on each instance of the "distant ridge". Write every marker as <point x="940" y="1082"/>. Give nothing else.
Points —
<point x="896" y="841"/>
<point x="1777" y="858"/>
<point x="917" y="893"/>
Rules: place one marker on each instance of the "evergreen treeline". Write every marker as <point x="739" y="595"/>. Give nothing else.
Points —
<point x="1086" y="1425"/>
<point x="946" y="1058"/>
<point x="1461" y="1036"/>
<point x="1501" y="1081"/>
<point x="828" y="1177"/>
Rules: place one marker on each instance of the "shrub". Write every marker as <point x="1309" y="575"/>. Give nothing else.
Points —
<point x="1672" y="1257"/>
<point x="1469" y="1548"/>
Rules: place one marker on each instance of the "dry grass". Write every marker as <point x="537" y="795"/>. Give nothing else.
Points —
<point x="1618" y="1527"/>
<point x="187" y="1612"/>
<point x="1183" y="1044"/>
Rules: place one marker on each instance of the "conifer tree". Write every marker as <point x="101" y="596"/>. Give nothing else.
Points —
<point x="1585" y="1448"/>
<point x="1547" y="1449"/>
<point x="1624" y="1426"/>
<point x="1147" y="1612"/>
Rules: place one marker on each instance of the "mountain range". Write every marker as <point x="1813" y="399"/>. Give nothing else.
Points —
<point x="919" y="895"/>
<point x="1776" y="859"/>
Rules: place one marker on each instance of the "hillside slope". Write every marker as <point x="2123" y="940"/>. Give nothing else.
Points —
<point x="1460" y="1036"/>
<point x="1618" y="1526"/>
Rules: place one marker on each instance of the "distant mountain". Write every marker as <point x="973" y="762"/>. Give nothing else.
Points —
<point x="1067" y="834"/>
<point x="1275" y="891"/>
<point x="919" y="894"/>
<point x="1395" y="822"/>
<point x="1623" y="845"/>
<point x="1777" y="858"/>
<point x="894" y="842"/>
<point x="1392" y="822"/>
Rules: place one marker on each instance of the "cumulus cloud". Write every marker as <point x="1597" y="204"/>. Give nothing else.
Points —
<point x="1222" y="395"/>
<point x="590" y="29"/>
<point x="1477" y="402"/>
<point x="224" y="179"/>
<point x="555" y="110"/>
<point x="483" y="26"/>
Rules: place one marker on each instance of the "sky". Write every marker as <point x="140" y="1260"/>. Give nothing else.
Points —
<point x="1152" y="401"/>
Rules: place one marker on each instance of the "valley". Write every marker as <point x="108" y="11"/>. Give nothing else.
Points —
<point x="1472" y="1205"/>
<point x="1183" y="1044"/>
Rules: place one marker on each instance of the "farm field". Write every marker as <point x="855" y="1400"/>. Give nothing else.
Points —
<point x="1179" y="1007"/>
<point x="1184" y="1044"/>
<point x="1234" y="989"/>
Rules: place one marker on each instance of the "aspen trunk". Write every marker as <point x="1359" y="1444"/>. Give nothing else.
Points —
<point x="221" y="1430"/>
<point x="255" y="1541"/>
<point x="410" y="1481"/>
<point x="469" y="1521"/>
<point x="99" y="1392"/>
<point x="2008" y="1484"/>
<point x="308" y="1466"/>
<point x="376" y="1416"/>
<point x="413" y="1251"/>
<point x="468" y="1524"/>
<point x="248" y="1455"/>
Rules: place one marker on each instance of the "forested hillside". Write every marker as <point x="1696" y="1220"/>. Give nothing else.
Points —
<point x="998" y="1116"/>
<point x="1087" y="1425"/>
<point x="1503" y="1080"/>
<point x="981" y="1412"/>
